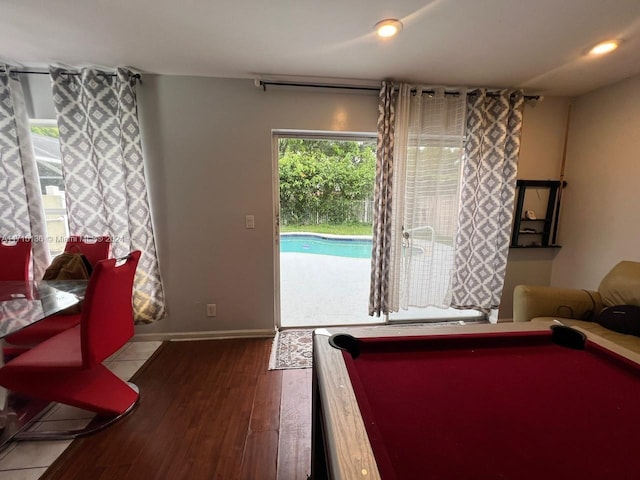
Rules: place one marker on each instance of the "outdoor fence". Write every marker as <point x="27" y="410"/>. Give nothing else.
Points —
<point x="434" y="211"/>
<point x="349" y="211"/>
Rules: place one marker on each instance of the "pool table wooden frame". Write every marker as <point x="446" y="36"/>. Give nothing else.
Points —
<point x="340" y="445"/>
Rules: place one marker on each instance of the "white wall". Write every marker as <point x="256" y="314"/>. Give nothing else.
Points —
<point x="208" y="148"/>
<point x="543" y="133"/>
<point x="600" y="223"/>
<point x="38" y="96"/>
<point x="207" y="144"/>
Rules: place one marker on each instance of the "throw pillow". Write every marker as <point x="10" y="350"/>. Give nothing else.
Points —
<point x="621" y="318"/>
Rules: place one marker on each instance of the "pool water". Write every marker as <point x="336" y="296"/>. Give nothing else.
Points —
<point x="316" y="244"/>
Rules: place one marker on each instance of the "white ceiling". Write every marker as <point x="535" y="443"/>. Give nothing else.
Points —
<point x="534" y="44"/>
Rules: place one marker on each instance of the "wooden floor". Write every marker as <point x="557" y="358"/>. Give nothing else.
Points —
<point x="208" y="410"/>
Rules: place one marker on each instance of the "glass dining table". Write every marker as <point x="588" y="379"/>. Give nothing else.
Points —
<point x="23" y="304"/>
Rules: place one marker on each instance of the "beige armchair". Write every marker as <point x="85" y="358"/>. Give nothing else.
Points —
<point x="621" y="286"/>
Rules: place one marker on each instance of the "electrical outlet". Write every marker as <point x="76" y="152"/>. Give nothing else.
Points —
<point x="211" y="309"/>
<point x="250" y="221"/>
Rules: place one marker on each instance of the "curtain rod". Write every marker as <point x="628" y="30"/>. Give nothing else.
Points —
<point x="264" y="83"/>
<point x="35" y="72"/>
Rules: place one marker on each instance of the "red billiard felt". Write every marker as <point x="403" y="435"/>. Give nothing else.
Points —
<point x="497" y="406"/>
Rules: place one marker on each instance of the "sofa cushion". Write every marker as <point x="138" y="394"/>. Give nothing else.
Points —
<point x="629" y="342"/>
<point x="621" y="286"/>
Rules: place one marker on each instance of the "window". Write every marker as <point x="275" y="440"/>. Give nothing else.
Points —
<point x="46" y="146"/>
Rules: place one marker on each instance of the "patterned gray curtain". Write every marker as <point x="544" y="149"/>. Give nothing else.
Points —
<point x="104" y="172"/>
<point x="494" y="125"/>
<point x="21" y="206"/>
<point x="380" y="254"/>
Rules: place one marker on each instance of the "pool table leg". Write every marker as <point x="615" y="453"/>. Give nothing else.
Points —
<point x="319" y="470"/>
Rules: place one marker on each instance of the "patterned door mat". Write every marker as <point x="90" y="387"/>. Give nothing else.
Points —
<point x="294" y="348"/>
<point x="291" y="349"/>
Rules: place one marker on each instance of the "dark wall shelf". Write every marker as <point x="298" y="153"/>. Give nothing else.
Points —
<point x="536" y="232"/>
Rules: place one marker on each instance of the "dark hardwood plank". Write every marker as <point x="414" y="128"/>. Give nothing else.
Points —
<point x="296" y="398"/>
<point x="294" y="454"/>
<point x="266" y="407"/>
<point x="294" y="448"/>
<point x="260" y="456"/>
<point x="208" y="410"/>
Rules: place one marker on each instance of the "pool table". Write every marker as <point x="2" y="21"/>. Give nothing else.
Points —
<point x="505" y="401"/>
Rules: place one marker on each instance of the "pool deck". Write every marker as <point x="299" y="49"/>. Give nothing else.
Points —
<point x="324" y="290"/>
<point x="321" y="290"/>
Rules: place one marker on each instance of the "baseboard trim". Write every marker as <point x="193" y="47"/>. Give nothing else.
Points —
<point x="211" y="335"/>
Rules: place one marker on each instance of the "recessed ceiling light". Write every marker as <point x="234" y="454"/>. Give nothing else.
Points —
<point x="388" y="28"/>
<point x="604" y="47"/>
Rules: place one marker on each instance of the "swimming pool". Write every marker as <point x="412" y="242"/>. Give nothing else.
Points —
<point x="321" y="245"/>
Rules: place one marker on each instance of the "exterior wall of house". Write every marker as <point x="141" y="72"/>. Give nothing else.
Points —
<point x="600" y="223"/>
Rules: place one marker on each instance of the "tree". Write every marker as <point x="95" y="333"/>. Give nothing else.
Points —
<point x="323" y="178"/>
<point x="46" y="131"/>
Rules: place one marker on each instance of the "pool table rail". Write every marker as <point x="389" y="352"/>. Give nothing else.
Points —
<point x="341" y="448"/>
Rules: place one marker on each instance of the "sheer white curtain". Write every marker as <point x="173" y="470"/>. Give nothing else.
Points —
<point x="21" y="205"/>
<point x="429" y="130"/>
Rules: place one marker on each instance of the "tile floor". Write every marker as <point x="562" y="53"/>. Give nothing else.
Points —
<point x="29" y="460"/>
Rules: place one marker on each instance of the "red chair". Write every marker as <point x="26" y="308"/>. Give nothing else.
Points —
<point x="67" y="368"/>
<point x="15" y="256"/>
<point x="94" y="249"/>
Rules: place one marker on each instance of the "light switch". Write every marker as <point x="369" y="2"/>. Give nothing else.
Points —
<point x="249" y="221"/>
